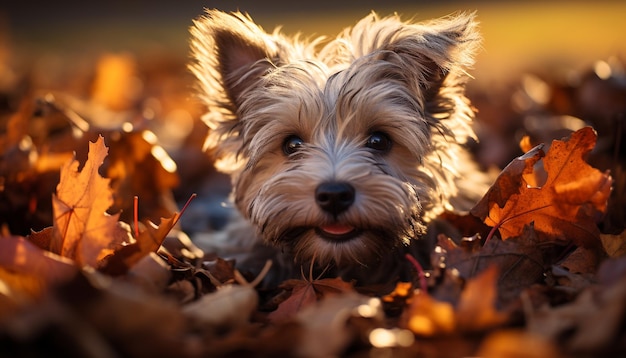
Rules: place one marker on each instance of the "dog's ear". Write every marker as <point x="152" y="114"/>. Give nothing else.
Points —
<point x="230" y="56"/>
<point x="431" y="50"/>
<point x="231" y="53"/>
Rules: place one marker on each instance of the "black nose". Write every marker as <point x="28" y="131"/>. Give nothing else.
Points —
<point x="334" y="197"/>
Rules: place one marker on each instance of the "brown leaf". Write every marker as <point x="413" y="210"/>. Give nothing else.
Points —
<point x="564" y="208"/>
<point x="149" y="240"/>
<point x="138" y="166"/>
<point x="519" y="260"/>
<point x="614" y="245"/>
<point x="306" y="292"/>
<point x="594" y="321"/>
<point x="84" y="231"/>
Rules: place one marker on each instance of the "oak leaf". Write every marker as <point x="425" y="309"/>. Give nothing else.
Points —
<point x="564" y="208"/>
<point x="83" y="230"/>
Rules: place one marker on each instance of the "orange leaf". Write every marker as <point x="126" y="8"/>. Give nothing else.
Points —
<point x="476" y="308"/>
<point x="564" y="208"/>
<point x="27" y="269"/>
<point x="84" y="231"/>
<point x="429" y="317"/>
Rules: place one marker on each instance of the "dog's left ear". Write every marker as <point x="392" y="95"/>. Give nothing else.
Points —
<point x="431" y="51"/>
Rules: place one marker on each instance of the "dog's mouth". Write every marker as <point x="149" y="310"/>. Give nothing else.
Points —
<point x="337" y="232"/>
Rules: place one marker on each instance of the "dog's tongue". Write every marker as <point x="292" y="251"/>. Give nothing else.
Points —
<point x="337" y="229"/>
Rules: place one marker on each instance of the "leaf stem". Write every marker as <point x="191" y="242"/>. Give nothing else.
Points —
<point x="420" y="271"/>
<point x="193" y="196"/>
<point x="136" y="215"/>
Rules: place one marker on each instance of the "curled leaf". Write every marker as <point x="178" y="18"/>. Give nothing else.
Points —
<point x="564" y="208"/>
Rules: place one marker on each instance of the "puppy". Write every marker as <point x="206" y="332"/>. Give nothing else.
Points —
<point x="341" y="151"/>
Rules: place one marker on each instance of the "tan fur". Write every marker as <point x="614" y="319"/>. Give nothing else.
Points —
<point x="382" y="75"/>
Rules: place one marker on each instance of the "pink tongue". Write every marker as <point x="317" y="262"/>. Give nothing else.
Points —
<point x="337" y="229"/>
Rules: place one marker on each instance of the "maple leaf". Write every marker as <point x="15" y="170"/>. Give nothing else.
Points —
<point x="307" y="292"/>
<point x="564" y="208"/>
<point x="83" y="230"/>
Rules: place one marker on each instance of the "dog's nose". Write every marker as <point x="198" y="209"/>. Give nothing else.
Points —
<point x="334" y="197"/>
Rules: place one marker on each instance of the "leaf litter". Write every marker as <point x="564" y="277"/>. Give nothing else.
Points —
<point x="77" y="279"/>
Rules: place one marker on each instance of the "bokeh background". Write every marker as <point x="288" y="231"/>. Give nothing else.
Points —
<point x="546" y="68"/>
<point x="518" y="34"/>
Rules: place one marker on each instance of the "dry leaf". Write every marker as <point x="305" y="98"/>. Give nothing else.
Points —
<point x="516" y="344"/>
<point x="84" y="231"/>
<point x="614" y="245"/>
<point x="325" y="324"/>
<point x="519" y="260"/>
<point x="229" y="306"/>
<point x="590" y="323"/>
<point x="565" y="208"/>
<point x="26" y="269"/>
<point x="149" y="241"/>
<point x="305" y="293"/>
<point x="428" y="317"/>
<point x="476" y="308"/>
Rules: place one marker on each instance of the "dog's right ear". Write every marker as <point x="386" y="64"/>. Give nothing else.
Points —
<point x="231" y="53"/>
<point x="230" y="56"/>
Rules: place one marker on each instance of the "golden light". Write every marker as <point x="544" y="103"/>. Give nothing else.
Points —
<point x="386" y="338"/>
<point x="161" y="155"/>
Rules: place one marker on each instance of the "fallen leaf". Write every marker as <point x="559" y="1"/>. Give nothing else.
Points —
<point x="564" y="208"/>
<point x="229" y="306"/>
<point x="306" y="292"/>
<point x="84" y="231"/>
<point x="149" y="241"/>
<point x="519" y="260"/>
<point x="614" y="245"/>
<point x="28" y="270"/>
<point x="573" y="324"/>
<point x="326" y="324"/>
<point x="476" y="310"/>
<point x="429" y="317"/>
<point x="517" y="344"/>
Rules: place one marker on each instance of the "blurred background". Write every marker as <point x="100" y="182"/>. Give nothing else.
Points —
<point x="119" y="68"/>
<point x="518" y="34"/>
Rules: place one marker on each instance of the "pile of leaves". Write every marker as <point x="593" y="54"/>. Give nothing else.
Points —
<point x="95" y="258"/>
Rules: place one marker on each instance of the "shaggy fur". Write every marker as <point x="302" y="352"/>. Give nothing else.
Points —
<point x="340" y="151"/>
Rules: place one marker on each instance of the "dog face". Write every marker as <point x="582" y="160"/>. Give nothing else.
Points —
<point x="339" y="151"/>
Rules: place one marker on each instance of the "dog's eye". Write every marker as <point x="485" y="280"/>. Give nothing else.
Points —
<point x="379" y="141"/>
<point x="292" y="144"/>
